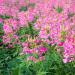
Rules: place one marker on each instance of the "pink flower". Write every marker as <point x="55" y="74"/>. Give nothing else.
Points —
<point x="41" y="58"/>
<point x="37" y="41"/>
<point x="6" y="39"/>
<point x="65" y="60"/>
<point x="60" y="44"/>
<point x="42" y="34"/>
<point x="29" y="16"/>
<point x="14" y="24"/>
<point x="27" y="50"/>
<point x="23" y="19"/>
<point x="15" y="37"/>
<point x="69" y="48"/>
<point x="7" y="29"/>
<point x="32" y="59"/>
<point x="42" y="50"/>
<point x="3" y="10"/>
<point x="25" y="44"/>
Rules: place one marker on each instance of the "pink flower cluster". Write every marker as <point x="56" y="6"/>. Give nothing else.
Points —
<point x="55" y="23"/>
<point x="33" y="47"/>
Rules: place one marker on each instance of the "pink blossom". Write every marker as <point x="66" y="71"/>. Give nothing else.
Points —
<point x="27" y="50"/>
<point x="23" y="20"/>
<point x="32" y="59"/>
<point x="6" y="39"/>
<point x="65" y="60"/>
<point x="25" y="44"/>
<point x="30" y="16"/>
<point x="14" y="24"/>
<point x="41" y="58"/>
<point x="7" y="29"/>
<point x="1" y="20"/>
<point x="60" y="44"/>
<point x="42" y="50"/>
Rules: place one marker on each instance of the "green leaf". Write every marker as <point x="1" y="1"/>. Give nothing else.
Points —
<point x="23" y="39"/>
<point x="23" y="31"/>
<point x="0" y="40"/>
<point x="23" y="8"/>
<point x="59" y="9"/>
<point x="16" y="71"/>
<point x="4" y="16"/>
